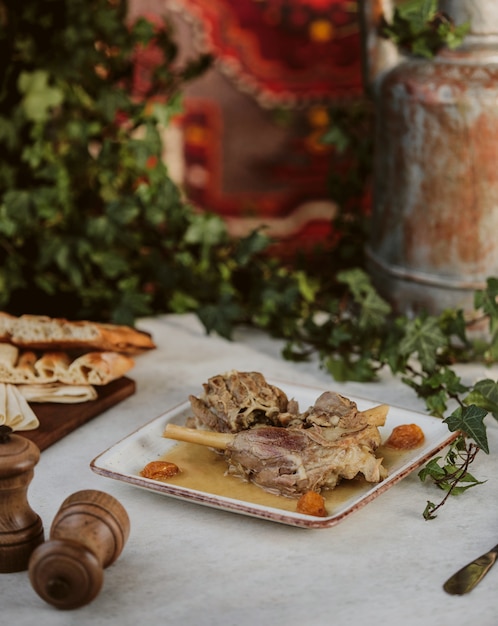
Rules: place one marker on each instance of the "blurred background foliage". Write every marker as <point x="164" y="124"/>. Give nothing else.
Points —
<point x="92" y="225"/>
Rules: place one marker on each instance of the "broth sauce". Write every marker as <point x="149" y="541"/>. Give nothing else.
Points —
<point x="205" y="470"/>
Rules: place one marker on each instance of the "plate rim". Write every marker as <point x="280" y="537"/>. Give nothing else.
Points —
<point x="230" y="504"/>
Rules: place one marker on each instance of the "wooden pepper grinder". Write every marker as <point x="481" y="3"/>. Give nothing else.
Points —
<point x="21" y="529"/>
<point x="88" y="534"/>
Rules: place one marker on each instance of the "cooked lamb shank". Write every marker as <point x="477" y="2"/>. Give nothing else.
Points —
<point x="292" y="461"/>
<point x="238" y="400"/>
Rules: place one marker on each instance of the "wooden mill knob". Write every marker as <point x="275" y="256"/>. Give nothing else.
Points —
<point x="88" y="534"/>
<point x="21" y="529"/>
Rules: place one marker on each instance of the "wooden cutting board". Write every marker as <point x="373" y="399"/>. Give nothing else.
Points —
<point x="58" y="420"/>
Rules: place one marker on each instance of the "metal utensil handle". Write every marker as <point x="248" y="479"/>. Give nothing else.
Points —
<point x="471" y="574"/>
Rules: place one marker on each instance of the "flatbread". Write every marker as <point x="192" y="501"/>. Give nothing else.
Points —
<point x="15" y="410"/>
<point x="40" y="332"/>
<point x="92" y="368"/>
<point x="58" y="392"/>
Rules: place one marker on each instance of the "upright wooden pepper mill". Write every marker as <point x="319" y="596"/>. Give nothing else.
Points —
<point x="87" y="535"/>
<point x="21" y="529"/>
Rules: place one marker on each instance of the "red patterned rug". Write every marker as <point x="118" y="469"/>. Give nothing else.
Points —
<point x="284" y="51"/>
<point x="252" y="125"/>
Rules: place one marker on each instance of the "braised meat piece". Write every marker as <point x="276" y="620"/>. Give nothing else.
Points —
<point x="291" y="461"/>
<point x="266" y="440"/>
<point x="332" y="410"/>
<point x="239" y="400"/>
<point x="333" y="416"/>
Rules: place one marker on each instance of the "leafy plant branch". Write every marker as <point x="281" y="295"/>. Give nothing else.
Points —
<point x="453" y="476"/>
<point x="419" y="28"/>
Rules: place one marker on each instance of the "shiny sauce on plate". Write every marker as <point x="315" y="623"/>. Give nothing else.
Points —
<point x="204" y="470"/>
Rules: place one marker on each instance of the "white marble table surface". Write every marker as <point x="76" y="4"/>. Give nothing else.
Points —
<point x="190" y="565"/>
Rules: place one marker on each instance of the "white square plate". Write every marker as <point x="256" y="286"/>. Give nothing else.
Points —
<point x="124" y="461"/>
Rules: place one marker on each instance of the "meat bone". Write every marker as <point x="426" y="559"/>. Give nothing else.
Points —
<point x="291" y="461"/>
<point x="375" y="416"/>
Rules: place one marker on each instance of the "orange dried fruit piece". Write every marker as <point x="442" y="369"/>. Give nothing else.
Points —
<point x="406" y="437"/>
<point x="160" y="469"/>
<point x="312" y="503"/>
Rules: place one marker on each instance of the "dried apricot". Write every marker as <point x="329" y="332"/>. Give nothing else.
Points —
<point x="312" y="503"/>
<point x="159" y="469"/>
<point x="406" y="437"/>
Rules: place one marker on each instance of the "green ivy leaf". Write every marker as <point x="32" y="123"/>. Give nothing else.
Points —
<point x="470" y="420"/>
<point x="308" y="287"/>
<point x="206" y="229"/>
<point x="465" y="482"/>
<point x="39" y="97"/>
<point x="219" y="317"/>
<point x="449" y="380"/>
<point x="182" y="302"/>
<point x="424" y="338"/>
<point x="337" y="137"/>
<point x="130" y="303"/>
<point x="357" y="280"/>
<point x="360" y="370"/>
<point x="250" y="246"/>
<point x="432" y="470"/>
<point x="436" y="403"/>
<point x="374" y="309"/>
<point x="485" y="395"/>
